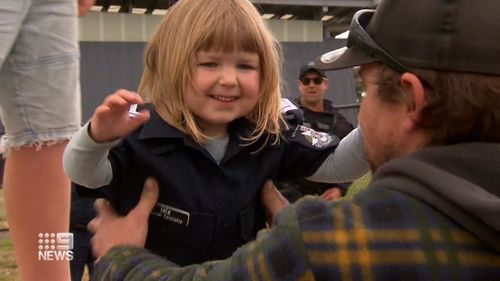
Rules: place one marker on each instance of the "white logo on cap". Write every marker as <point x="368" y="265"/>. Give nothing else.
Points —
<point x="333" y="55"/>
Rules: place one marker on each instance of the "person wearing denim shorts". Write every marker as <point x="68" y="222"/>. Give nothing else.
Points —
<point x="40" y="111"/>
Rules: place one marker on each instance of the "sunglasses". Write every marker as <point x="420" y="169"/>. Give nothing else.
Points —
<point x="360" y="38"/>
<point x="316" y="81"/>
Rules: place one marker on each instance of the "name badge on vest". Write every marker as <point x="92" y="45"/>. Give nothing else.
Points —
<point x="171" y="214"/>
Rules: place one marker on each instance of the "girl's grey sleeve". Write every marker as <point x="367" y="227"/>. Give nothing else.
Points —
<point x="347" y="163"/>
<point x="86" y="162"/>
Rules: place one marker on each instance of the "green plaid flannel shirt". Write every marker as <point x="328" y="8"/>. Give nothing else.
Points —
<point x="378" y="234"/>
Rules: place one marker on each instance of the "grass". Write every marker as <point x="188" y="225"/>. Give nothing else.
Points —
<point x="3" y="217"/>
<point x="8" y="267"/>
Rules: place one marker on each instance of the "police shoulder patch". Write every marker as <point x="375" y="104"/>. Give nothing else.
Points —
<point x="317" y="139"/>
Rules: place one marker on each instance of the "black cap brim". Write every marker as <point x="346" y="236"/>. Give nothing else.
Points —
<point x="343" y="58"/>
<point x="310" y="68"/>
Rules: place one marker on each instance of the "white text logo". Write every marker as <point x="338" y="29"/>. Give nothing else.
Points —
<point x="55" y="246"/>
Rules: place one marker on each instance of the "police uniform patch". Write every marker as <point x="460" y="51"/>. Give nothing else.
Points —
<point x="316" y="139"/>
<point x="171" y="214"/>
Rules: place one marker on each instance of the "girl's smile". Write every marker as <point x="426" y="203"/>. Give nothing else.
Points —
<point x="224" y="99"/>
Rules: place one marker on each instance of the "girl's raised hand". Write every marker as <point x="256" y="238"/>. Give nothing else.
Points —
<point x="111" y="119"/>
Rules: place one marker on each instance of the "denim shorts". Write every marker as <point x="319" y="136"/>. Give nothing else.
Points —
<point x="39" y="72"/>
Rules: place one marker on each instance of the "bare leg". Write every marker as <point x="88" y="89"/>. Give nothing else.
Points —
<point x="37" y="199"/>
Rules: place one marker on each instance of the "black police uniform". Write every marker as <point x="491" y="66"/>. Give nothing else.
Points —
<point x="329" y="121"/>
<point x="206" y="210"/>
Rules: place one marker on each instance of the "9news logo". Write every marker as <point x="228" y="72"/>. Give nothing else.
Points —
<point x="55" y="246"/>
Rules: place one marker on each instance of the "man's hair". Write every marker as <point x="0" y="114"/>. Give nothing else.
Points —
<point x="201" y="25"/>
<point x="459" y="107"/>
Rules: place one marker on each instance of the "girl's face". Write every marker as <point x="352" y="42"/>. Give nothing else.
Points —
<point x="226" y="87"/>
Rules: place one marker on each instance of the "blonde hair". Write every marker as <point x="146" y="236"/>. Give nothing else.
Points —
<point x="201" y="25"/>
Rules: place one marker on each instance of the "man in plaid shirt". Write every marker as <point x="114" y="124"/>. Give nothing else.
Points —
<point x="431" y="131"/>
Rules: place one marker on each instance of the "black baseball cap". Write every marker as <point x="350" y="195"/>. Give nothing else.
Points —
<point x="310" y="67"/>
<point x="459" y="35"/>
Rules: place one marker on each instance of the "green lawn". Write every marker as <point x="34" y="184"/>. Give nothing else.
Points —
<point x="8" y="265"/>
<point x="3" y="218"/>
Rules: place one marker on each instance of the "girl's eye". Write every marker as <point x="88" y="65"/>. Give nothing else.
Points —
<point x="208" y="64"/>
<point x="246" y="66"/>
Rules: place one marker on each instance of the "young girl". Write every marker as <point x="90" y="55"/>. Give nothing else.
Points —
<point x="212" y="139"/>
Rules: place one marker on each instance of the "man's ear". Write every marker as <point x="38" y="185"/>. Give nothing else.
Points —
<point x="326" y="82"/>
<point x="411" y="84"/>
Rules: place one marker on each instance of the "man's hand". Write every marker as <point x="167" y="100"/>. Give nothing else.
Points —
<point x="112" y="230"/>
<point x="273" y="200"/>
<point x="332" y="194"/>
<point x="84" y="6"/>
